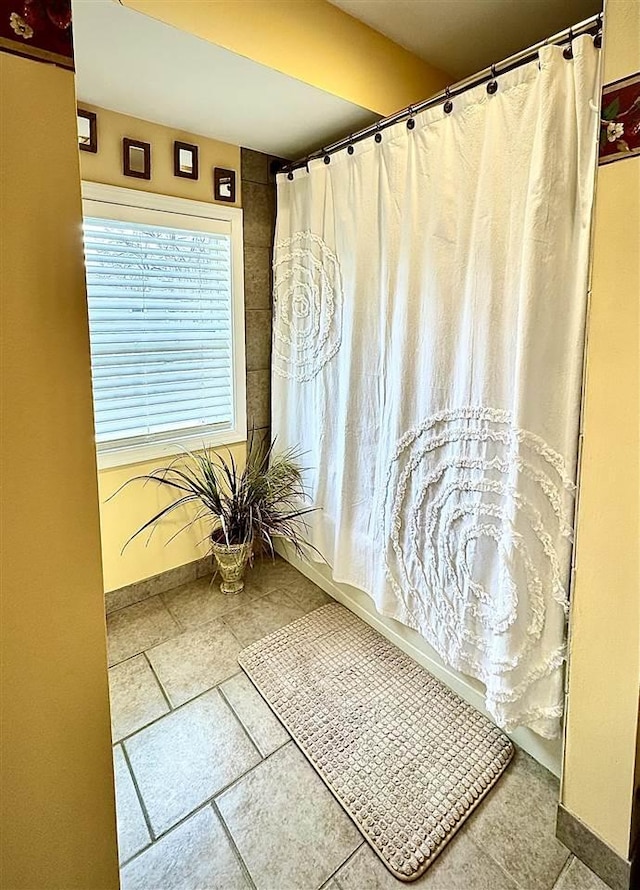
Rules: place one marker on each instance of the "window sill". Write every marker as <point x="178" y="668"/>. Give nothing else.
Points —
<point x="166" y="451"/>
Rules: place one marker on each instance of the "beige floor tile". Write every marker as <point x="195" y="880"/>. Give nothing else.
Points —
<point x="136" y="698"/>
<point x="194" y="856"/>
<point x="255" y="714"/>
<point x="516" y="824"/>
<point x="290" y="831"/>
<point x="138" y="627"/>
<point x="576" y="876"/>
<point x="261" y="617"/>
<point x="186" y="757"/>
<point x="195" y="661"/>
<point x="270" y="574"/>
<point x="304" y="595"/>
<point x="133" y="834"/>
<point x="200" y="602"/>
<point x="460" y="866"/>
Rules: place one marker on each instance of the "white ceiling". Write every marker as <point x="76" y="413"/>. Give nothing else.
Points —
<point x="465" y="36"/>
<point x="130" y="63"/>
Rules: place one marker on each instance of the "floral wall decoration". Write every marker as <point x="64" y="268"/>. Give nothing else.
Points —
<point x="620" y="121"/>
<point x="40" y="29"/>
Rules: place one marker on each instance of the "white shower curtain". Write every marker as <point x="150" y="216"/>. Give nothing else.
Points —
<point x="430" y="296"/>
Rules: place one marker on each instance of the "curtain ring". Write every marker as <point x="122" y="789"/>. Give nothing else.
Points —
<point x="568" y="50"/>
<point x="492" y="86"/>
<point x="350" y="148"/>
<point x="448" y="105"/>
<point x="411" y="123"/>
<point x="327" y="159"/>
<point x="290" y="175"/>
<point x="378" y="136"/>
<point x="597" y="40"/>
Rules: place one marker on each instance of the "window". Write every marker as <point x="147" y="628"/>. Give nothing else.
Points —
<point x="164" y="286"/>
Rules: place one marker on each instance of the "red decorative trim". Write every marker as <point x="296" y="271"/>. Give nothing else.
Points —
<point x="38" y="29"/>
<point x="620" y="120"/>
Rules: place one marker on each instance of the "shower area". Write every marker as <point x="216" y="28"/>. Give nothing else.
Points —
<point x="430" y="297"/>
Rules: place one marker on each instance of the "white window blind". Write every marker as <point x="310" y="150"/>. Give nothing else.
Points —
<point x="160" y="318"/>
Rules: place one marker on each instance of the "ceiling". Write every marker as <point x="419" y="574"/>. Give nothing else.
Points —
<point x="133" y="64"/>
<point x="465" y="36"/>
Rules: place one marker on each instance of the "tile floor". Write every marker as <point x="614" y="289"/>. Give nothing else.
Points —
<point x="212" y="794"/>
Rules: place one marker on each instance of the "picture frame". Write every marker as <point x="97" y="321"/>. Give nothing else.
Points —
<point x="87" y="130"/>
<point x="224" y="185"/>
<point x="136" y="158"/>
<point x="185" y="160"/>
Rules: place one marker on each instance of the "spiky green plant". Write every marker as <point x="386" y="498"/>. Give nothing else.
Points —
<point x="263" y="501"/>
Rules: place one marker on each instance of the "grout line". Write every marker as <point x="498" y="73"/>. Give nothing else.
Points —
<point x="563" y="870"/>
<point x="158" y="681"/>
<point x="144" y="599"/>
<point x="139" y="852"/>
<point x="465" y="830"/>
<point x="332" y="876"/>
<point x="243" y="865"/>
<point x="127" y="738"/>
<point x="205" y="803"/>
<point x="142" y="651"/>
<point x="170" y="830"/>
<point x="116" y="664"/>
<point x="232" y="632"/>
<point x="183" y="629"/>
<point x="239" y="778"/>
<point x="143" y="807"/>
<point x="507" y="873"/>
<point x="242" y="726"/>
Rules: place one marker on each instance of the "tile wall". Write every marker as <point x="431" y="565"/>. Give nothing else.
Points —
<point x="259" y="205"/>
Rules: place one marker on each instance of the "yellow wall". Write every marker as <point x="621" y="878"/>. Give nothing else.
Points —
<point x="130" y="509"/>
<point x="312" y="41"/>
<point x="106" y="165"/>
<point x="605" y="640"/>
<point x="58" y="816"/>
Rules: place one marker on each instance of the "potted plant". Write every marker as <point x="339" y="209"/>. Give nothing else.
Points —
<point x="247" y="508"/>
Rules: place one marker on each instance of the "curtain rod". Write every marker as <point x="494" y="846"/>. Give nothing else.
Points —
<point x="591" y="25"/>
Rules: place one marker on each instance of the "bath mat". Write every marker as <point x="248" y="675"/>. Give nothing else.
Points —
<point x="407" y="758"/>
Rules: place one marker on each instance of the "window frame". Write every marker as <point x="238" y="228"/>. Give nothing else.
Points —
<point x="121" y="199"/>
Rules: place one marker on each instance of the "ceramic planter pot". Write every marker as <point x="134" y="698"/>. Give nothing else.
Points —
<point x="231" y="560"/>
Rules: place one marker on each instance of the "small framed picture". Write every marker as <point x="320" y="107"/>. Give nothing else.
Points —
<point x="224" y="184"/>
<point x="87" y="131"/>
<point x="620" y="120"/>
<point x="185" y="160"/>
<point x="136" y="158"/>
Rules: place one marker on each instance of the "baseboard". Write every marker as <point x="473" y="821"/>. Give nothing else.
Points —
<point x="142" y="590"/>
<point x="548" y="753"/>
<point x="610" y="867"/>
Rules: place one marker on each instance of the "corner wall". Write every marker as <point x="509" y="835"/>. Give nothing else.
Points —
<point x="122" y="515"/>
<point x="58" y="812"/>
<point x="600" y="752"/>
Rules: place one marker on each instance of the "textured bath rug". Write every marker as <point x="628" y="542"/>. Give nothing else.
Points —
<point x="407" y="758"/>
